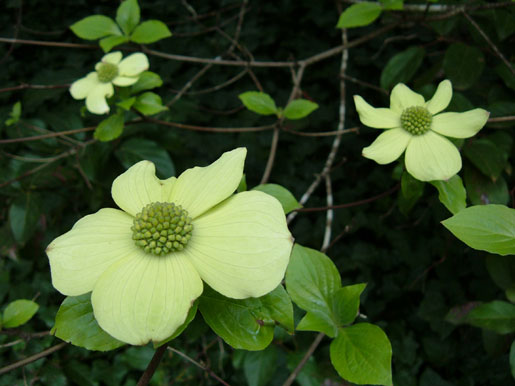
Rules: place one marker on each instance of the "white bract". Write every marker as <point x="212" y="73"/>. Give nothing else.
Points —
<point x="419" y="128"/>
<point x="145" y="263"/>
<point x="111" y="70"/>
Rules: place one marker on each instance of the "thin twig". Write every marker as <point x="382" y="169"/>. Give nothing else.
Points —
<point x="211" y="129"/>
<point x="304" y="359"/>
<point x="322" y="133"/>
<point x="329" y="215"/>
<point x="44" y="136"/>
<point x="502" y="119"/>
<point x="24" y="86"/>
<point x="152" y="366"/>
<point x="271" y="157"/>
<point x="32" y="358"/>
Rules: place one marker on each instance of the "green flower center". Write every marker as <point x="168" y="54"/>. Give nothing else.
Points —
<point x="107" y="72"/>
<point x="161" y="228"/>
<point x="416" y="120"/>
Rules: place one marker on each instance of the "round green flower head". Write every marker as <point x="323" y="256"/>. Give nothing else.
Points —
<point x="145" y="264"/>
<point x="419" y="128"/>
<point x="111" y="70"/>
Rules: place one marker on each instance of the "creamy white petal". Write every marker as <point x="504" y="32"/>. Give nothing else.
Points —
<point x="79" y="257"/>
<point x="139" y="186"/>
<point x="123" y="81"/>
<point x="379" y="118"/>
<point x="96" y="100"/>
<point x="241" y="248"/>
<point x="112" y="57"/>
<point x="460" y="125"/>
<point x="388" y="146"/>
<point x="144" y="297"/>
<point x="200" y="188"/>
<point x="82" y="87"/>
<point x="441" y="99"/>
<point x="133" y="65"/>
<point x="403" y="97"/>
<point x="431" y="157"/>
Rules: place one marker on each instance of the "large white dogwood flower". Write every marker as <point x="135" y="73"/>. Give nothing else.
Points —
<point x="98" y="85"/>
<point x="419" y="128"/>
<point x="145" y="263"/>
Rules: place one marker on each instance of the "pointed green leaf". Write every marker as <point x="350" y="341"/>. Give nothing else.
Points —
<point x="392" y="4"/>
<point x="126" y="104"/>
<point x="127" y="15"/>
<point x="149" y="103"/>
<point x="299" y="108"/>
<point x="259" y="366"/>
<point x="402" y="66"/>
<point x="497" y="316"/>
<point x="110" y="128"/>
<point x="258" y="102"/>
<point x="147" y="81"/>
<point x="24" y="215"/>
<point x="502" y="270"/>
<point x="19" y="312"/>
<point x="150" y="31"/>
<point x="362" y="354"/>
<point x="463" y="65"/>
<point x="451" y="193"/>
<point x="95" y="27"/>
<point x="109" y="42"/>
<point x="359" y="15"/>
<point x="14" y="115"/>
<point x="313" y="322"/>
<point x="75" y="324"/>
<point x="346" y="303"/>
<point x="485" y="156"/>
<point x="282" y="194"/>
<point x="488" y="228"/>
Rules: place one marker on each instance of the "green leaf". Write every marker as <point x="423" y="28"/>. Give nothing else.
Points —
<point x="95" y="27"/>
<point x="19" y="312"/>
<point x="127" y="15"/>
<point x="76" y="324"/>
<point x="14" y="115"/>
<point x="282" y="194"/>
<point x="506" y="75"/>
<point x="362" y="354"/>
<point x="109" y="42"/>
<point x="311" y="280"/>
<point x="150" y="31"/>
<point x="314" y="322"/>
<point x="411" y="191"/>
<point x="149" y="103"/>
<point x="502" y="270"/>
<point x="392" y="4"/>
<point x="259" y="366"/>
<point x="110" y="128"/>
<point x="346" y="303"/>
<point x="512" y="359"/>
<point x="299" y="108"/>
<point x="359" y="15"/>
<point x="497" y="316"/>
<point x="451" y="193"/>
<point x="463" y="65"/>
<point x="401" y="67"/>
<point x="137" y="149"/>
<point x="488" y="228"/>
<point x="126" y="104"/>
<point x="258" y="102"/>
<point x="246" y="323"/>
<point x="485" y="156"/>
<point x="482" y="190"/>
<point x="147" y="81"/>
<point x="24" y="215"/>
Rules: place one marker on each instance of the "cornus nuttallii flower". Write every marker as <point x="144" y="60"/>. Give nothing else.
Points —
<point x="419" y="128"/>
<point x="146" y="262"/>
<point x="111" y="70"/>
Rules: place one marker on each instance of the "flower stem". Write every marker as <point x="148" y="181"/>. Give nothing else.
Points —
<point x="152" y="366"/>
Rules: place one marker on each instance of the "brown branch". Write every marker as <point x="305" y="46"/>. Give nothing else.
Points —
<point x="211" y="129"/>
<point x="32" y="358"/>
<point x="271" y="157"/>
<point x="44" y="136"/>
<point x="24" y="86"/>
<point x="304" y="359"/>
<point x="152" y="366"/>
<point x="322" y="133"/>
<point x="48" y="44"/>
<point x="502" y="119"/>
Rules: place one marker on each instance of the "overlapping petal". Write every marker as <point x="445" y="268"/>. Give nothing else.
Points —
<point x="388" y="146"/>
<point x="133" y="65"/>
<point x="441" y="98"/>
<point x="379" y="118"/>
<point x="79" y="257"/>
<point x="82" y="87"/>
<point x="96" y="98"/>
<point x="200" y="188"/>
<point x="143" y="298"/>
<point x="432" y="157"/>
<point x="139" y="186"/>
<point x="124" y="81"/>
<point x="403" y="97"/>
<point x="460" y="125"/>
<point x="241" y="247"/>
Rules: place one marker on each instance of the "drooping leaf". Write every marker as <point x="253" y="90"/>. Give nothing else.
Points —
<point x="359" y="15"/>
<point x="110" y="128"/>
<point x="109" y="42"/>
<point x="95" y="27"/>
<point x="259" y="366"/>
<point x="147" y="81"/>
<point x="24" y="214"/>
<point x="282" y="194"/>
<point x="299" y="108"/>
<point x="149" y="103"/>
<point x="258" y="102"/>
<point x="346" y="303"/>
<point x="76" y="324"/>
<point x="463" y="65"/>
<point x="137" y="149"/>
<point x="362" y="354"/>
<point x="127" y="15"/>
<point x="451" y="193"/>
<point x="150" y="31"/>
<point x="18" y="312"/>
<point x="489" y="228"/>
<point x="402" y="66"/>
<point x="498" y="316"/>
